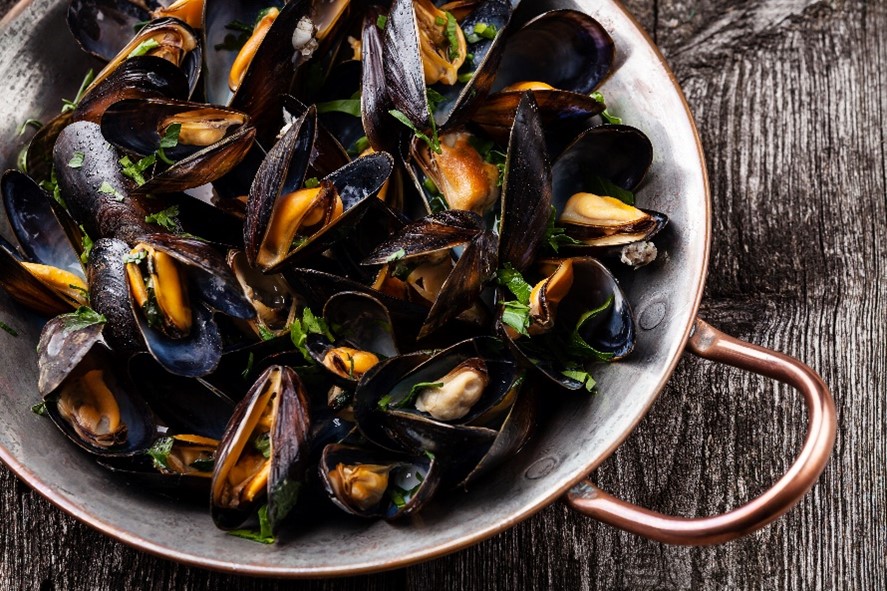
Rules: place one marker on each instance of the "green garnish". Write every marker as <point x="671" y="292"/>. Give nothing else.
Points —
<point x="165" y="218"/>
<point x="249" y="366"/>
<point x="263" y="536"/>
<point x="160" y="451"/>
<point x="169" y="140"/>
<point x="348" y="106"/>
<point x="577" y="345"/>
<point x="386" y="401"/>
<point x="71" y="105"/>
<point x="144" y="47"/>
<point x="396" y="256"/>
<point x="51" y="186"/>
<point x="381" y="21"/>
<point x="605" y="188"/>
<point x="134" y="170"/>
<point x="312" y="183"/>
<point x="262" y="443"/>
<point x="39" y="409"/>
<point x="452" y="38"/>
<point x="581" y="376"/>
<point x="204" y="464"/>
<point x="136" y="258"/>
<point x="35" y="123"/>
<point x="482" y="31"/>
<point x="434" y="98"/>
<point x="86" y="245"/>
<point x="606" y="115"/>
<point x="556" y="236"/>
<point x="510" y="278"/>
<point x="433" y="141"/>
<point x="465" y="78"/>
<point x="359" y="146"/>
<point x="517" y="316"/>
<point x="440" y="21"/>
<point x="83" y="317"/>
<point x="309" y="324"/>
<point x="236" y="40"/>
<point x="76" y="160"/>
<point x="6" y="328"/>
<point x="265" y="333"/>
<point x="107" y="189"/>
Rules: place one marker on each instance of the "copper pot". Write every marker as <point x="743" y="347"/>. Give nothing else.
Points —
<point x="39" y="63"/>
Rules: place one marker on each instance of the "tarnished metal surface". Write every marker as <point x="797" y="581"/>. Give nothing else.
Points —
<point x="40" y="63"/>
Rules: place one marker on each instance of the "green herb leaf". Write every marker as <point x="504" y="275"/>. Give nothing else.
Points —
<point x="386" y="401"/>
<point x="465" y="77"/>
<point x="169" y="140"/>
<point x="6" y="328"/>
<point x="262" y="443"/>
<point x="452" y="37"/>
<point x="309" y="324"/>
<point x="556" y="236"/>
<point x="204" y="464"/>
<point x="67" y="105"/>
<point x="144" y="47"/>
<point x="517" y="316"/>
<point x="312" y="183"/>
<point x="35" y="123"/>
<point x="510" y="278"/>
<point x="381" y="21"/>
<point x="86" y="246"/>
<point x="83" y="317"/>
<point x="347" y="106"/>
<point x="606" y="115"/>
<point x="440" y="21"/>
<point x="107" y="189"/>
<point x="482" y="31"/>
<point x="396" y="256"/>
<point x="265" y="333"/>
<point x="433" y="141"/>
<point x="263" y="536"/>
<point x="581" y="376"/>
<point x="577" y="345"/>
<point x="135" y="171"/>
<point x="76" y="160"/>
<point x="249" y="366"/>
<point x="398" y="496"/>
<point x="605" y="188"/>
<point x="360" y="145"/>
<point x="39" y="409"/>
<point x="136" y="258"/>
<point x="434" y="98"/>
<point x="160" y="451"/>
<point x="166" y="218"/>
<point x="51" y="186"/>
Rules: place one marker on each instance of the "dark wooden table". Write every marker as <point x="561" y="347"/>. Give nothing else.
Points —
<point x="790" y="99"/>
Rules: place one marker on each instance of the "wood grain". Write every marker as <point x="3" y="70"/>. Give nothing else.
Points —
<point x="790" y="99"/>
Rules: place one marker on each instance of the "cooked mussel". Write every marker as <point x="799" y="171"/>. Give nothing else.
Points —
<point x="374" y="483"/>
<point x="263" y="453"/>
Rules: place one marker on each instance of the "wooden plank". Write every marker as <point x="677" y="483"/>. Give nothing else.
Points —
<point x="790" y="100"/>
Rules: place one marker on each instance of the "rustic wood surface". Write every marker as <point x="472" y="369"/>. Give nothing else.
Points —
<point x="790" y="100"/>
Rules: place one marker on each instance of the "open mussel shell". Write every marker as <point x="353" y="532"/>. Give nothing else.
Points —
<point x="347" y="190"/>
<point x="183" y="405"/>
<point x="104" y="27"/>
<point x="327" y="154"/>
<point x="386" y="402"/>
<point x="609" y="333"/>
<point x="364" y="334"/>
<point x="97" y="407"/>
<point x="263" y="454"/>
<point x="168" y="38"/>
<point x="577" y="54"/>
<point x="137" y="78"/>
<point x="344" y="81"/>
<point x="38" y="225"/>
<point x="374" y="483"/>
<point x="193" y="356"/>
<point x="274" y="301"/>
<point x="211" y="141"/>
<point x="25" y="288"/>
<point x="64" y="342"/>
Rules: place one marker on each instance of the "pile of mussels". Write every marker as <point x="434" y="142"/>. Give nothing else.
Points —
<point x="324" y="250"/>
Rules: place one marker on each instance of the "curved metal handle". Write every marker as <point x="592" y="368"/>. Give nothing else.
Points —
<point x="710" y="343"/>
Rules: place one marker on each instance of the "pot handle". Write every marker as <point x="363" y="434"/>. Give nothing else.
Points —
<point x="710" y="343"/>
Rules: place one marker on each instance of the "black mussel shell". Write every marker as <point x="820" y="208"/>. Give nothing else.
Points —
<point x="64" y="341"/>
<point x="194" y="356"/>
<point x="44" y="232"/>
<point x="566" y="49"/>
<point x="327" y="155"/>
<point x="26" y="289"/>
<point x="110" y="295"/>
<point x="97" y="193"/>
<point x="288" y="448"/>
<point x="404" y="75"/>
<point x="104" y="27"/>
<point x="184" y="405"/>
<point x="138" y="428"/>
<point x="411" y="481"/>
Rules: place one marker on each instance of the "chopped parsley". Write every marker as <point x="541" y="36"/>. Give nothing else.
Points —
<point x="309" y="324"/>
<point x="166" y="218"/>
<point x="577" y="344"/>
<point x="169" y="140"/>
<point x="516" y="315"/>
<point x="433" y="141"/>
<point x="465" y="77"/>
<point x="348" y="106"/>
<point x="263" y="536"/>
<point x="39" y="409"/>
<point x="107" y="189"/>
<point x="386" y="401"/>
<point x="359" y="147"/>
<point x="434" y="98"/>
<point x="605" y="188"/>
<point x="6" y="328"/>
<point x="135" y="170"/>
<point x="510" y="278"/>
<point x="482" y="31"/>
<point x="86" y="244"/>
<point x="396" y="256"/>
<point x="35" y="123"/>
<point x="51" y="186"/>
<point x="76" y="160"/>
<point x="581" y="376"/>
<point x="381" y="21"/>
<point x="69" y="106"/>
<point x="135" y="258"/>
<point x="265" y="333"/>
<point x="605" y="114"/>
<point x="83" y="317"/>
<point x="144" y="47"/>
<point x="312" y="183"/>
<point x="452" y="37"/>
<point x="204" y="464"/>
<point x="160" y="451"/>
<point x="262" y="443"/>
<point x="556" y="236"/>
